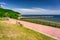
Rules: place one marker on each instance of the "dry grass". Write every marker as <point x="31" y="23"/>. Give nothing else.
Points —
<point x="10" y="31"/>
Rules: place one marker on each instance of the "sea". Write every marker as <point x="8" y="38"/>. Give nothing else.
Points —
<point x="55" y="18"/>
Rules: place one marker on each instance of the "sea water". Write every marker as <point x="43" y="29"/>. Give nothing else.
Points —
<point x="55" y="18"/>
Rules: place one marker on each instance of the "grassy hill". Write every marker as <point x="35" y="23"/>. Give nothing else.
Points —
<point x="9" y="31"/>
<point x="9" y="13"/>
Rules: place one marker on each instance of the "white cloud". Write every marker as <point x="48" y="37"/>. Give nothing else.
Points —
<point x="31" y="10"/>
<point x="2" y="4"/>
<point x="36" y="11"/>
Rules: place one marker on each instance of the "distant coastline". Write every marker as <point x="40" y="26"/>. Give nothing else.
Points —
<point x="55" y="18"/>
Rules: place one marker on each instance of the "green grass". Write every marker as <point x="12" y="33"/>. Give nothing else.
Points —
<point x="3" y="19"/>
<point x="43" y="22"/>
<point x="10" y="31"/>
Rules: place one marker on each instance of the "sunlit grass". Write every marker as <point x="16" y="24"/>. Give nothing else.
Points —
<point x="10" y="31"/>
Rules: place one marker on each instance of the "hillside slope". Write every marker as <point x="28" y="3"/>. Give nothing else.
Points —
<point x="9" y="13"/>
<point x="10" y="31"/>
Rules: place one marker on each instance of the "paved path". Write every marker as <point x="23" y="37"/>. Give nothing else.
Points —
<point x="47" y="30"/>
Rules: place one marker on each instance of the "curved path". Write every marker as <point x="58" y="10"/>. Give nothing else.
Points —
<point x="47" y="30"/>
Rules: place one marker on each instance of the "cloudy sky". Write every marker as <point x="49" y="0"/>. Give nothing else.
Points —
<point x="33" y="7"/>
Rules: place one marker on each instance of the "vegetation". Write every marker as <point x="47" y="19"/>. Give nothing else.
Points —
<point x="9" y="31"/>
<point x="9" y="13"/>
<point x="43" y="22"/>
<point x="2" y="19"/>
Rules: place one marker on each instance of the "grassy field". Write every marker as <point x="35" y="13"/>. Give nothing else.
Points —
<point x="43" y="22"/>
<point x="3" y="19"/>
<point x="10" y="31"/>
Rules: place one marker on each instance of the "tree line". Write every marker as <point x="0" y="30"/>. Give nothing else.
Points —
<point x="9" y="13"/>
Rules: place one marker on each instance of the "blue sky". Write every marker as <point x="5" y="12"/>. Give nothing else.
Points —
<point x="33" y="6"/>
